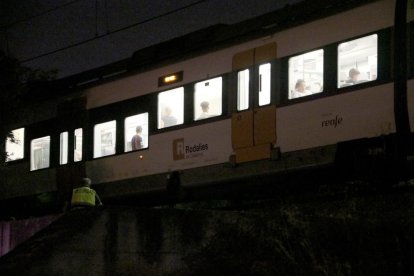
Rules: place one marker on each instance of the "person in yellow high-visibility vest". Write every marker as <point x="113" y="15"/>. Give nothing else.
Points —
<point x="85" y="196"/>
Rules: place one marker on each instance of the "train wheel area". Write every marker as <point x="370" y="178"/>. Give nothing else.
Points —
<point x="360" y="166"/>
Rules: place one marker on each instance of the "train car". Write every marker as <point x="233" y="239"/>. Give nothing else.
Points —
<point x="313" y="84"/>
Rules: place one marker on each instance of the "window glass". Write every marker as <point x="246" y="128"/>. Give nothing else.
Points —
<point x="207" y="98"/>
<point x="77" y="152"/>
<point x="63" y="156"/>
<point x="306" y="74"/>
<point x="15" y="145"/>
<point x="243" y="90"/>
<point x="104" y="139"/>
<point x="171" y="108"/>
<point x="39" y="153"/>
<point x="264" y="84"/>
<point x="357" y="61"/>
<point x="136" y="132"/>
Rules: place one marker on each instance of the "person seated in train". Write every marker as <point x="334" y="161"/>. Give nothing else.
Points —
<point x="136" y="141"/>
<point x="300" y="89"/>
<point x="205" y="108"/>
<point x="353" y="77"/>
<point x="85" y="196"/>
<point x="167" y="119"/>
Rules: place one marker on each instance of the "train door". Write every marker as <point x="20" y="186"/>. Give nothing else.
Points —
<point x="254" y="120"/>
<point x="72" y="116"/>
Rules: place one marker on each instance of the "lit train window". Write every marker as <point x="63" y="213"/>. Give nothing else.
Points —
<point x="357" y="61"/>
<point x="243" y="90"/>
<point x="39" y="153"/>
<point x="63" y="156"/>
<point x="104" y="140"/>
<point x="207" y="98"/>
<point x="15" y="145"/>
<point x="171" y="107"/>
<point x="136" y="132"/>
<point x="77" y="151"/>
<point x="306" y="74"/>
<point x="264" y="84"/>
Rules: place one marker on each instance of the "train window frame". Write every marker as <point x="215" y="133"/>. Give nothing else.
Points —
<point x="15" y="145"/>
<point x="78" y="145"/>
<point x="63" y="147"/>
<point x="264" y="86"/>
<point x="165" y="113"/>
<point x="208" y="102"/>
<point x="104" y="134"/>
<point x="345" y="73"/>
<point x="243" y="89"/>
<point x="311" y="74"/>
<point x="139" y="120"/>
<point x="41" y="140"/>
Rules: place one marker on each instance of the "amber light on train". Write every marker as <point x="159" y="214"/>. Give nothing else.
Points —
<point x="170" y="79"/>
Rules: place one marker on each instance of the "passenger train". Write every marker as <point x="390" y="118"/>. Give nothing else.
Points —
<point x="313" y="84"/>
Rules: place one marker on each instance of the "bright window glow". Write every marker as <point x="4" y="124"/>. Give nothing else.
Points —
<point x="171" y="108"/>
<point x="207" y="98"/>
<point x="15" y="145"/>
<point x="136" y="132"/>
<point x="77" y="152"/>
<point x="63" y="156"/>
<point x="104" y="139"/>
<point x="39" y="153"/>
<point x="357" y="61"/>
<point x="264" y="84"/>
<point x="306" y="74"/>
<point x="243" y="90"/>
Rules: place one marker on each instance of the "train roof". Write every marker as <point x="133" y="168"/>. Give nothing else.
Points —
<point x="202" y="41"/>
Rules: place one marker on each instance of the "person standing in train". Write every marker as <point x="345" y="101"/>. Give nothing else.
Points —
<point x="85" y="196"/>
<point x="168" y="119"/>
<point x="136" y="141"/>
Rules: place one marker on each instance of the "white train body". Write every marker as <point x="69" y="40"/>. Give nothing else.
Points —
<point x="197" y="148"/>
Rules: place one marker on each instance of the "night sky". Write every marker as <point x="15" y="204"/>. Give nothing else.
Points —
<point x="75" y="36"/>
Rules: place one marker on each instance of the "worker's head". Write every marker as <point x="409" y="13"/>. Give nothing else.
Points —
<point x="86" y="182"/>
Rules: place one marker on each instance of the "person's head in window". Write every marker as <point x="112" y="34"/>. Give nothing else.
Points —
<point x="300" y="86"/>
<point x="300" y="89"/>
<point x="354" y="75"/>
<point x="205" y="106"/>
<point x="167" y="118"/>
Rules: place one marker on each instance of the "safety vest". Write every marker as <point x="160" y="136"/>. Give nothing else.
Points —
<point x="83" y="196"/>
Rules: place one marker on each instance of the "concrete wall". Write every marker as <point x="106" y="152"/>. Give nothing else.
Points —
<point x="353" y="236"/>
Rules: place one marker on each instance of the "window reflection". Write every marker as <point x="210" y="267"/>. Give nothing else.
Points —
<point x="264" y="84"/>
<point x="243" y="90"/>
<point x="357" y="61"/>
<point x="63" y="156"/>
<point x="15" y="145"/>
<point x="136" y="132"/>
<point x="208" y="99"/>
<point x="171" y="108"/>
<point x="104" y="139"/>
<point x="306" y="74"/>
<point x="77" y="153"/>
<point x="39" y="153"/>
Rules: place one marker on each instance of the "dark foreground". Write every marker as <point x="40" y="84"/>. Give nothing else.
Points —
<point x="364" y="234"/>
